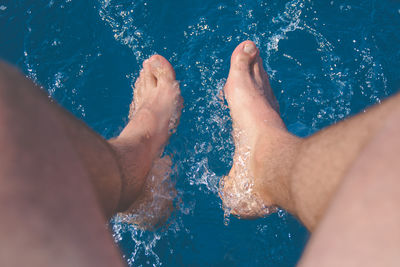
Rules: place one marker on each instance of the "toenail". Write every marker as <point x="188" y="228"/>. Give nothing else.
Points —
<point x="249" y="48"/>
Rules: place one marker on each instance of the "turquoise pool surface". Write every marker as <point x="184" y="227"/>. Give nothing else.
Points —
<point x="326" y="59"/>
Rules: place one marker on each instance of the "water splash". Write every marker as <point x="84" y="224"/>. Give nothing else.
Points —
<point x="203" y="63"/>
<point x="237" y="189"/>
<point x="155" y="204"/>
<point x="120" y="16"/>
<point x="316" y="86"/>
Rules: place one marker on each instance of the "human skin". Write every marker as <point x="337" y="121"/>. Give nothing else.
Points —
<point x="342" y="182"/>
<point x="60" y="181"/>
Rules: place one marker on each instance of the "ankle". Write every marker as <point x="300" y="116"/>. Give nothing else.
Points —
<point x="273" y="160"/>
<point x="135" y="157"/>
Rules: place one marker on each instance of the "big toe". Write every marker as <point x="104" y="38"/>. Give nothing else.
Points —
<point x="244" y="56"/>
<point x="161" y="68"/>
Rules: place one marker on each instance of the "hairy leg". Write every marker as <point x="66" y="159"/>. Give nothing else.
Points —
<point x="59" y="181"/>
<point x="361" y="224"/>
<point x="273" y="167"/>
<point x="324" y="158"/>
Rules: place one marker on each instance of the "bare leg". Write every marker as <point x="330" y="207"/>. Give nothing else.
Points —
<point x="59" y="180"/>
<point x="361" y="225"/>
<point x="156" y="108"/>
<point x="273" y="167"/>
<point x="157" y="105"/>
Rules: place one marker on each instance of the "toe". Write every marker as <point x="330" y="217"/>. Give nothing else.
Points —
<point x="258" y="67"/>
<point x="161" y="68"/>
<point x="139" y="80"/>
<point x="259" y="74"/>
<point x="148" y="77"/>
<point x="244" y="56"/>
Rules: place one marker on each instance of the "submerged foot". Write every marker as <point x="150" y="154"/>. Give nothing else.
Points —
<point x="155" y="110"/>
<point x="154" y="205"/>
<point x="257" y="126"/>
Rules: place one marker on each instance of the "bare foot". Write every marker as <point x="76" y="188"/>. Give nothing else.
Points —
<point x="154" y="205"/>
<point x="257" y="126"/>
<point x="154" y="115"/>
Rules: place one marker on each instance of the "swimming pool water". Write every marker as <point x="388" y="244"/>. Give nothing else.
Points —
<point x="327" y="60"/>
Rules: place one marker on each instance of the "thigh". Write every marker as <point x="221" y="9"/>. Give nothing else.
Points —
<point x="50" y="213"/>
<point x="361" y="225"/>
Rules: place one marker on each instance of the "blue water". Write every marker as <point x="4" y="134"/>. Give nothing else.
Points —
<point x="327" y="60"/>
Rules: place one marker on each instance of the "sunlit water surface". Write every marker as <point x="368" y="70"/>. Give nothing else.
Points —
<point x="326" y="59"/>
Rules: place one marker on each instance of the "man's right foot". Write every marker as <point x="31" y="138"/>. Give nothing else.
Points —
<point x="154" y="115"/>
<point x="259" y="135"/>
